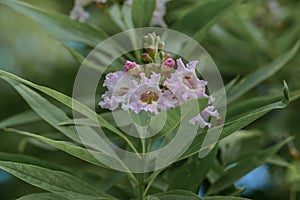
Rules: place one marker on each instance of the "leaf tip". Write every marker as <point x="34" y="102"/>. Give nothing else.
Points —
<point x="286" y="93"/>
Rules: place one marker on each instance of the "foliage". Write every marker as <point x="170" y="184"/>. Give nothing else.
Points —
<point x="255" y="53"/>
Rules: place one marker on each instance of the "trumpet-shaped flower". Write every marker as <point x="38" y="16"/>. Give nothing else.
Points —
<point x="201" y="118"/>
<point x="185" y="84"/>
<point x="118" y="85"/>
<point x="148" y="96"/>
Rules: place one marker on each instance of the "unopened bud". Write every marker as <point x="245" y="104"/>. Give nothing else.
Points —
<point x="129" y="65"/>
<point x="147" y="58"/>
<point x="168" y="55"/>
<point x="152" y="52"/>
<point x="169" y="62"/>
<point x="161" y="45"/>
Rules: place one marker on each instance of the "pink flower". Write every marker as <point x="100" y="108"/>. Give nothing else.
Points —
<point x="118" y="85"/>
<point x="209" y="112"/>
<point x="198" y="120"/>
<point x="204" y="115"/>
<point x="185" y="84"/>
<point x="148" y="96"/>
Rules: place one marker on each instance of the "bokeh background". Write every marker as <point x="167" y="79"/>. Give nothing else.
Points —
<point x="248" y="37"/>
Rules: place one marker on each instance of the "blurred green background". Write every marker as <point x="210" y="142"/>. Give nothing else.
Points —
<point x="247" y="37"/>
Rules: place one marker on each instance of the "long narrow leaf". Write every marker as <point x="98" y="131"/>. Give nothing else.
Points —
<point x="67" y="147"/>
<point x="174" y="195"/>
<point x="243" y="167"/>
<point x="142" y="11"/>
<point x="71" y="103"/>
<point x="49" y="112"/>
<point x="205" y="14"/>
<point x="261" y="74"/>
<point x="61" y="183"/>
<point x="41" y="196"/>
<point x="58" y="25"/>
<point x="21" y="118"/>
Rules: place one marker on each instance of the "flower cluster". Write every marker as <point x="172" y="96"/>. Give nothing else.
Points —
<point x="157" y="85"/>
<point x="79" y="13"/>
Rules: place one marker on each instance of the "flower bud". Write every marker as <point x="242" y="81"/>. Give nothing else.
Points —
<point x="129" y="65"/>
<point x="161" y="46"/>
<point x="133" y="68"/>
<point x="169" y="62"/>
<point x="168" y="55"/>
<point x="147" y="58"/>
<point x="167" y="66"/>
<point x="152" y="52"/>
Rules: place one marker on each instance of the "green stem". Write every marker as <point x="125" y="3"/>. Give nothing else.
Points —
<point x="150" y="180"/>
<point x="140" y="187"/>
<point x="293" y="193"/>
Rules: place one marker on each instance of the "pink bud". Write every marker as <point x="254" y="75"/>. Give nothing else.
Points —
<point x="129" y="65"/>
<point x="168" y="55"/>
<point x="169" y="62"/>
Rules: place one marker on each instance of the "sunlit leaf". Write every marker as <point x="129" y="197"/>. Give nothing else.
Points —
<point x="142" y="11"/>
<point x="58" y="25"/>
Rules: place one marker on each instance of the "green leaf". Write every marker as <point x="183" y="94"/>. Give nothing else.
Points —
<point x="201" y="17"/>
<point x="293" y="176"/>
<point x="67" y="147"/>
<point x="261" y="74"/>
<point x="174" y="195"/>
<point x="240" y="144"/>
<point x="58" y="25"/>
<point x="49" y="112"/>
<point x="243" y="167"/>
<point x="41" y="196"/>
<point x="91" y="156"/>
<point x="19" y="119"/>
<point x="31" y="161"/>
<point x="77" y="56"/>
<point x="245" y="107"/>
<point x="116" y="15"/>
<point x="142" y="11"/>
<point x="248" y="105"/>
<point x="80" y="121"/>
<point x="190" y="175"/>
<point x="60" y="183"/>
<point x="127" y="15"/>
<point x="71" y="103"/>
<point x="214" y="16"/>
<point x="223" y="198"/>
<point x="62" y="28"/>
